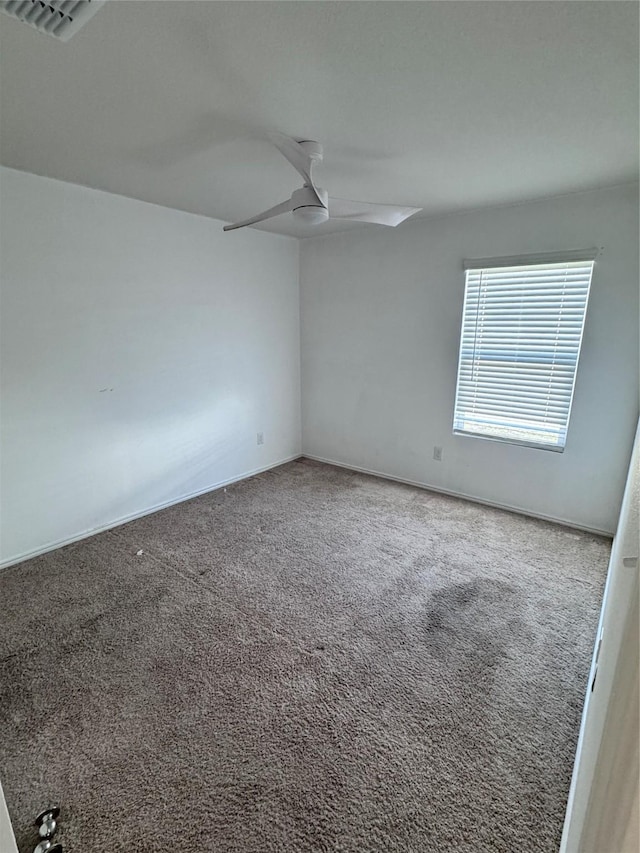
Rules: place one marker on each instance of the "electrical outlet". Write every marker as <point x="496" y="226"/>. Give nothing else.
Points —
<point x="260" y="438"/>
<point x="437" y="454"/>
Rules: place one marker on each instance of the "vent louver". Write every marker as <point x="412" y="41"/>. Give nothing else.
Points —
<point x="58" y="18"/>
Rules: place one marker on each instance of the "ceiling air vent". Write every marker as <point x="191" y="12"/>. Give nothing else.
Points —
<point x="59" y="18"/>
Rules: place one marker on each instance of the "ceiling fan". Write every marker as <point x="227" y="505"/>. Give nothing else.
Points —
<point x="311" y="204"/>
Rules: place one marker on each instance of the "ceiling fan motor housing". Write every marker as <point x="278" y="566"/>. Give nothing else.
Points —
<point x="307" y="207"/>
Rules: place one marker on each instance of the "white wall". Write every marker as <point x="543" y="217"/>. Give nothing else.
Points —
<point x="381" y="312"/>
<point x="142" y="350"/>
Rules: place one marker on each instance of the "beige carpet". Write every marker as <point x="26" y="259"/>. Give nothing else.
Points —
<point x="311" y="660"/>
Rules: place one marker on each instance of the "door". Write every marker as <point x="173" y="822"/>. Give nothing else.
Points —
<point x="7" y="841"/>
<point x="602" y="810"/>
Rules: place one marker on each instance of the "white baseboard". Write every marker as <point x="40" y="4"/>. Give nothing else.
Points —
<point x="60" y="543"/>
<point x="473" y="498"/>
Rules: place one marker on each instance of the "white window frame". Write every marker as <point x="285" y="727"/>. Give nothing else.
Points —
<point x="490" y="265"/>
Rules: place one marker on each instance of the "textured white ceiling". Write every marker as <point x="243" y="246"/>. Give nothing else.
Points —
<point x="441" y="105"/>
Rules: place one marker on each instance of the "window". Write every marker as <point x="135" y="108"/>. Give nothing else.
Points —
<point x="521" y="333"/>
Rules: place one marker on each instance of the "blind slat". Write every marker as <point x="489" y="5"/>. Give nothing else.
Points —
<point x="532" y="401"/>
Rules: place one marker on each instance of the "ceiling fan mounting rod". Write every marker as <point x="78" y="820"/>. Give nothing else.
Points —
<point x="312" y="149"/>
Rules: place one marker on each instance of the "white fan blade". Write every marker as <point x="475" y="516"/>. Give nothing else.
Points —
<point x="285" y="207"/>
<point x="364" y="211"/>
<point x="297" y="156"/>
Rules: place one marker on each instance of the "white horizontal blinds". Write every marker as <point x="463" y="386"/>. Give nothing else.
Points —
<point x="521" y="334"/>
